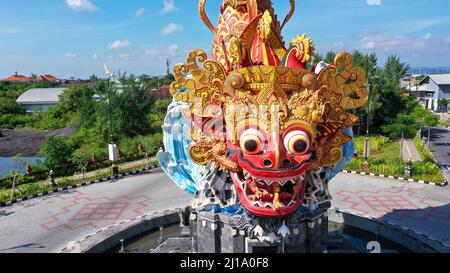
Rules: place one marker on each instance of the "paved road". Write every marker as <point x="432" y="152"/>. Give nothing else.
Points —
<point x="410" y="151"/>
<point x="440" y="144"/>
<point x="440" y="148"/>
<point x="49" y="224"/>
<point x="419" y="207"/>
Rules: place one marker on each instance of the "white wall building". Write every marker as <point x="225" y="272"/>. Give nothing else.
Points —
<point x="40" y="99"/>
<point x="431" y="89"/>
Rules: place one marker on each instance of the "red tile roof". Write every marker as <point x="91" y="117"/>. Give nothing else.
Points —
<point x="17" y="78"/>
<point x="21" y="78"/>
<point x="47" y="78"/>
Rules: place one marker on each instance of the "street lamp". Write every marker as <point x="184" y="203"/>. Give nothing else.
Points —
<point x="112" y="146"/>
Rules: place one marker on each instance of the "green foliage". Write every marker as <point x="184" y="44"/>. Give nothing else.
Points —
<point x="384" y="164"/>
<point x="56" y="152"/>
<point x="444" y="123"/>
<point x="427" y="171"/>
<point x="329" y="58"/>
<point x="424" y="117"/>
<point x="443" y="105"/>
<point x="424" y="153"/>
<point x="12" y="121"/>
<point x="411" y="123"/>
<point x="132" y="106"/>
<point x="377" y="143"/>
<point x="403" y="125"/>
<point x="10" y="106"/>
<point x="150" y="144"/>
<point x="53" y="119"/>
<point x="78" y="100"/>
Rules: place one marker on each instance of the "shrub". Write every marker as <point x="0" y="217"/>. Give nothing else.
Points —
<point x="423" y="151"/>
<point x="377" y="143"/>
<point x="56" y="152"/>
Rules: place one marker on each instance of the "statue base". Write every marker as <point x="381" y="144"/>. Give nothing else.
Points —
<point x="217" y="233"/>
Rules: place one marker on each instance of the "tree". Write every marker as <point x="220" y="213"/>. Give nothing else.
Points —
<point x="10" y="106"/>
<point x="443" y="105"/>
<point x="56" y="152"/>
<point x="19" y="168"/>
<point x="403" y="125"/>
<point x="317" y="58"/>
<point x="81" y="158"/>
<point x="79" y="100"/>
<point x="329" y="58"/>
<point x="132" y="106"/>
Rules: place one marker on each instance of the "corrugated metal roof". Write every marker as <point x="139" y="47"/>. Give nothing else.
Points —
<point x="41" y="96"/>
<point x="441" y="79"/>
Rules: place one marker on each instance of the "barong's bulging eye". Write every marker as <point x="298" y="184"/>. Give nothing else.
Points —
<point x="251" y="142"/>
<point x="297" y="143"/>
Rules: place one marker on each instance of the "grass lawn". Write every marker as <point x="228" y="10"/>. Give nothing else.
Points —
<point x="385" y="159"/>
<point x="390" y="152"/>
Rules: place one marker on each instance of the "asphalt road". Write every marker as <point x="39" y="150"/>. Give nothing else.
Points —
<point x="440" y="144"/>
<point x="49" y="224"/>
<point x="440" y="148"/>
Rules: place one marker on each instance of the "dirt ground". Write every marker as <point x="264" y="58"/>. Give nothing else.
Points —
<point x="26" y="142"/>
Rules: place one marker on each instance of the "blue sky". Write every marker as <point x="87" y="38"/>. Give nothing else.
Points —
<point x="77" y="37"/>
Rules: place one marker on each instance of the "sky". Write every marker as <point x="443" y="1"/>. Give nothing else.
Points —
<point x="75" y="38"/>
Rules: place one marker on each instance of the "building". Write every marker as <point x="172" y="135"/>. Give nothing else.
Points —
<point x="430" y="89"/>
<point x="163" y="92"/>
<point x="40" y="99"/>
<point x="17" y="78"/>
<point x="21" y="78"/>
<point x="49" y="78"/>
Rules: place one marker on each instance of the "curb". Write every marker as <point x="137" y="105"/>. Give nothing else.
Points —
<point x="98" y="181"/>
<point x="86" y="246"/>
<point x="400" y="178"/>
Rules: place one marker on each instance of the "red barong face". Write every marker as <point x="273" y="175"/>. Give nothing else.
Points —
<point x="274" y="168"/>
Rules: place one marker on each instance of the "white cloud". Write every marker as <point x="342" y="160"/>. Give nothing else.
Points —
<point x="139" y="12"/>
<point x="171" y="28"/>
<point x="119" y="44"/>
<point x="402" y="42"/>
<point x="337" y="45"/>
<point x="374" y="2"/>
<point x="95" y="56"/>
<point x="81" y="5"/>
<point x="169" y="6"/>
<point x="171" y="51"/>
<point x="126" y="55"/>
<point x="70" y="55"/>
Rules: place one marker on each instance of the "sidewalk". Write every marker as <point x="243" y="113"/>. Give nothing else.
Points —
<point x="122" y="166"/>
<point x="422" y="208"/>
<point x="410" y="151"/>
<point x="51" y="223"/>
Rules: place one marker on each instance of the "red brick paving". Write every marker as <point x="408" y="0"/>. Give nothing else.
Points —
<point x="99" y="212"/>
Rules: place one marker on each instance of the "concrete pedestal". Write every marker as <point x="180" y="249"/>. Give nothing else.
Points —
<point x="217" y="233"/>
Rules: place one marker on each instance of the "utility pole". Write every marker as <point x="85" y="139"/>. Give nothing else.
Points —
<point x="401" y="145"/>
<point x="168" y="66"/>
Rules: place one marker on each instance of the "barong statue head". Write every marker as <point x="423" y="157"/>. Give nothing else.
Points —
<point x="258" y="128"/>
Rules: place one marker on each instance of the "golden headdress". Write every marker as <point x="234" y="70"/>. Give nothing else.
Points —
<point x="252" y="66"/>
